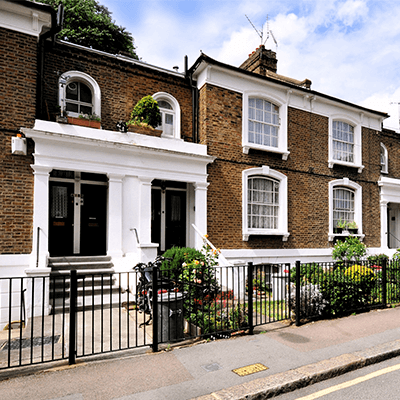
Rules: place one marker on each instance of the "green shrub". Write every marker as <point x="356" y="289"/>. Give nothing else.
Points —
<point x="310" y="273"/>
<point x="377" y="259"/>
<point x="177" y="256"/>
<point x="349" y="250"/>
<point x="146" y="112"/>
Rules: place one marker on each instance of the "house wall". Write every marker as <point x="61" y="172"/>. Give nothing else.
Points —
<point x="123" y="83"/>
<point x="306" y="168"/>
<point x="18" y="71"/>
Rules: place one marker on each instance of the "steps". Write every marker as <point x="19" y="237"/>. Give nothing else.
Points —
<point x="96" y="284"/>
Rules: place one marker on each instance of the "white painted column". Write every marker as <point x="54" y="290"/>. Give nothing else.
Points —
<point x="114" y="234"/>
<point x="384" y="225"/>
<point x="200" y="216"/>
<point x="148" y="249"/>
<point x="40" y="217"/>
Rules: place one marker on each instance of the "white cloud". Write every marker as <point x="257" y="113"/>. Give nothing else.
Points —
<point x="351" y="11"/>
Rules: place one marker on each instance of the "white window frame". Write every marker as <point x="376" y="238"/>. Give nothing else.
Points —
<point x="282" y="131"/>
<point x="77" y="76"/>
<point x="346" y="183"/>
<point x="176" y="111"/>
<point x="357" y="154"/>
<point x="282" y="228"/>
<point x="385" y="163"/>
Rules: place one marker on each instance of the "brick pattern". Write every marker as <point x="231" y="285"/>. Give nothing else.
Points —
<point x="122" y="84"/>
<point x="306" y="168"/>
<point x="18" y="70"/>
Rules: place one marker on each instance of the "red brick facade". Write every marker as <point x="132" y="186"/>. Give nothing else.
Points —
<point x="306" y="168"/>
<point x="18" y="71"/>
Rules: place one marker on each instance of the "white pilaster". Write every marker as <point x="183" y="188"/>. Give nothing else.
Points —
<point x="384" y="225"/>
<point x="114" y="242"/>
<point x="40" y="250"/>
<point x="200" y="217"/>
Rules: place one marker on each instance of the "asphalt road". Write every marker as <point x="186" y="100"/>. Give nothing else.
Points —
<point x="378" y="381"/>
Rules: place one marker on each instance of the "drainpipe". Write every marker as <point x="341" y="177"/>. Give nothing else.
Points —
<point x="195" y="104"/>
<point x="57" y="19"/>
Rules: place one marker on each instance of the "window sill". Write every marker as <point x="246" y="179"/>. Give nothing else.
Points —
<point x="248" y="146"/>
<point x="333" y="236"/>
<point x="285" y="235"/>
<point x="331" y="163"/>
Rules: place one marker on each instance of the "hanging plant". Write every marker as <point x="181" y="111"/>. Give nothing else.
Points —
<point x="146" y="113"/>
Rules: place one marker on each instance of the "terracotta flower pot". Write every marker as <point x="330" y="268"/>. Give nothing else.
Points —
<point x="145" y="130"/>
<point x="89" y="123"/>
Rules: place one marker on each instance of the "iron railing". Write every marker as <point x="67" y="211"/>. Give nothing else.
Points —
<point x="67" y="316"/>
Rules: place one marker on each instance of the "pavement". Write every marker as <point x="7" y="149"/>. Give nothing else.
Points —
<point x="287" y="358"/>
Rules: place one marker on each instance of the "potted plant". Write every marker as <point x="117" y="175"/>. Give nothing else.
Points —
<point x="352" y="227"/>
<point x="340" y="226"/>
<point x="88" y="120"/>
<point x="145" y="117"/>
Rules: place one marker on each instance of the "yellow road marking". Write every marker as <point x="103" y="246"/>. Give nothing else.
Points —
<point x="350" y="383"/>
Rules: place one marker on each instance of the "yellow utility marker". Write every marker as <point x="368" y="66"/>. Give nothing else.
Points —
<point x="250" y="369"/>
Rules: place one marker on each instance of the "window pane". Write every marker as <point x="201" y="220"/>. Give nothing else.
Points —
<point x="85" y="93"/>
<point x="72" y="91"/>
<point x="72" y="107"/>
<point x="263" y="203"/>
<point x="164" y="104"/>
<point x="343" y="141"/>
<point x="263" y="120"/>
<point x="85" y="109"/>
<point x="343" y="205"/>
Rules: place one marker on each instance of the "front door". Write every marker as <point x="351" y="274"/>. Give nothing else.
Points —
<point x="78" y="210"/>
<point x="168" y="210"/>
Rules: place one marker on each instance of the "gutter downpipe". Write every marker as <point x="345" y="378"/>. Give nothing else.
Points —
<point x="195" y="104"/>
<point x="57" y="19"/>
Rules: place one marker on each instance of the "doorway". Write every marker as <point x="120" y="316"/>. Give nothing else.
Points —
<point x="78" y="213"/>
<point x="168" y="214"/>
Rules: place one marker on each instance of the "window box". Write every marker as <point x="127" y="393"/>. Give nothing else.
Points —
<point x="145" y="130"/>
<point x="89" y="123"/>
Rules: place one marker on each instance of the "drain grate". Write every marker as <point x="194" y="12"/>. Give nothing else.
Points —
<point x="16" y="344"/>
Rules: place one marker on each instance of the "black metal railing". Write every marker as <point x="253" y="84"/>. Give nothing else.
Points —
<point x="72" y="315"/>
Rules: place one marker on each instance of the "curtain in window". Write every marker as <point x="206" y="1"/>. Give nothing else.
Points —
<point x="263" y="203"/>
<point x="343" y="205"/>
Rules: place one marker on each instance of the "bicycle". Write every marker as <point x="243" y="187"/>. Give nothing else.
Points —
<point x="144" y="289"/>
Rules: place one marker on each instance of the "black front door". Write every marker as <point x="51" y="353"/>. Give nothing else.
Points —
<point x="93" y="220"/>
<point x="61" y="221"/>
<point x="78" y="214"/>
<point x="168" y="214"/>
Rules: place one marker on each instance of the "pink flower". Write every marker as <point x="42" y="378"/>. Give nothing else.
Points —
<point x="286" y="271"/>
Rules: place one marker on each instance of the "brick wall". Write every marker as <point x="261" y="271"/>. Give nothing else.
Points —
<point x="122" y="84"/>
<point x="391" y="141"/>
<point x="18" y="70"/>
<point x="306" y="168"/>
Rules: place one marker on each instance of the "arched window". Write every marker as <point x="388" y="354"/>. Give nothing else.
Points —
<point x="345" y="142"/>
<point x="264" y="203"/>
<point x="170" y="115"/>
<point x="79" y="93"/>
<point x="384" y="159"/>
<point x="345" y="206"/>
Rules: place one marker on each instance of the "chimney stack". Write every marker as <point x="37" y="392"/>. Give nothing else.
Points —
<point x="260" y="61"/>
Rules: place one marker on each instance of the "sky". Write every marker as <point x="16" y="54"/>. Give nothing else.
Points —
<point x="349" y="49"/>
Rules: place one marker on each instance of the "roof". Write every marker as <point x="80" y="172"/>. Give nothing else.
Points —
<point x="281" y="80"/>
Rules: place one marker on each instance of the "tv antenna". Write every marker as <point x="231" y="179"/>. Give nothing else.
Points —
<point x="260" y="32"/>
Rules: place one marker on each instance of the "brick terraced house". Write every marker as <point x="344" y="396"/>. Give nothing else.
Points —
<point x="261" y="162"/>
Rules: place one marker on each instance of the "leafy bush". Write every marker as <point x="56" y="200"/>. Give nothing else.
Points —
<point x="311" y="273"/>
<point x="377" y="258"/>
<point x="348" y="289"/>
<point x="349" y="250"/>
<point x="176" y="257"/>
<point x="146" y="112"/>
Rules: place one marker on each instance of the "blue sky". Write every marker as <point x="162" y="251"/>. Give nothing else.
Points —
<point x="348" y="48"/>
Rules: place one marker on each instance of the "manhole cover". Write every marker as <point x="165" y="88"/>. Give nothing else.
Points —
<point x="250" y="369"/>
<point x="212" y="367"/>
<point x="16" y="344"/>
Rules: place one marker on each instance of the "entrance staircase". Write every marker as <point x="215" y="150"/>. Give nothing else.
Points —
<point x="96" y="283"/>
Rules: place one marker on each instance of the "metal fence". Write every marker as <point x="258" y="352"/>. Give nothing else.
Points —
<point x="65" y="316"/>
